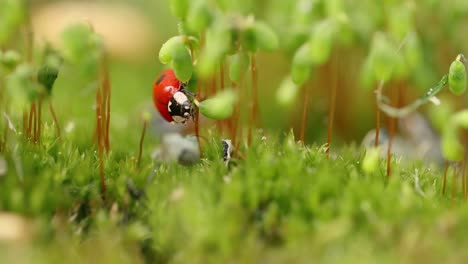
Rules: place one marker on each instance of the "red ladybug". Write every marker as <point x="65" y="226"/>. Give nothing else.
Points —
<point x="171" y="99"/>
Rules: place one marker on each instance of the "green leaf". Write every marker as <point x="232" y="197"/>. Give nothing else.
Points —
<point x="200" y="16"/>
<point x="370" y="163"/>
<point x="457" y="76"/>
<point x="287" y="92"/>
<point x="239" y="65"/>
<point x="167" y="49"/>
<point x="219" y="107"/>
<point x="179" y="8"/>
<point x="46" y="76"/>
<point x="182" y="63"/>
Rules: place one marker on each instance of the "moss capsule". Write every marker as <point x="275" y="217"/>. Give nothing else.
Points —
<point x="457" y="76"/>
<point x="182" y="63"/>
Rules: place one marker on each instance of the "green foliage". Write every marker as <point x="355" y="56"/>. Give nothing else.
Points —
<point x="182" y="63"/>
<point x="457" y="76"/>
<point x="287" y="92"/>
<point x="47" y="75"/>
<point x="12" y="15"/>
<point x="452" y="148"/>
<point x="239" y="64"/>
<point x="220" y="106"/>
<point x="82" y="47"/>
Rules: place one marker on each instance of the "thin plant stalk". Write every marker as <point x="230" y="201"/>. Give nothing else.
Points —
<point x="100" y="142"/>
<point x="463" y="178"/>
<point x="142" y="138"/>
<point x="34" y="122"/>
<point x="455" y="181"/>
<point x="254" y="102"/>
<point x="391" y="130"/>
<point x="25" y="123"/>
<point x="304" y="114"/>
<point x="444" y="183"/>
<point x="39" y="118"/>
<point x="107" y="90"/>
<point x="30" y="120"/>
<point x="54" y="116"/>
<point x="377" y="125"/>
<point x="5" y="136"/>
<point x="332" y="104"/>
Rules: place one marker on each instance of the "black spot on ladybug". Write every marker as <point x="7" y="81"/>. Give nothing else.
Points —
<point x="160" y="78"/>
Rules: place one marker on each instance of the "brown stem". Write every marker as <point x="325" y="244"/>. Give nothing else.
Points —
<point x="142" y="138"/>
<point x="377" y="125"/>
<point x="39" y="118"/>
<point x="444" y="184"/>
<point x="236" y="116"/>
<point x="34" y="122"/>
<point x="100" y="142"/>
<point x="30" y="120"/>
<point x="25" y="123"/>
<point x="391" y="130"/>
<point x="331" y="110"/>
<point x="54" y="116"/>
<point x="304" y="114"/>
<point x="254" y="103"/>
<point x="455" y="181"/>
<point x="107" y="88"/>
<point x="463" y="178"/>
<point x="5" y="136"/>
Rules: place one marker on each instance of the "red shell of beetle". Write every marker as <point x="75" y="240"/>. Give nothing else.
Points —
<point x="165" y="86"/>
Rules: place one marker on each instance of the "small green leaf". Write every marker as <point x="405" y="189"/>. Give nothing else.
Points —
<point x="287" y="92"/>
<point x="199" y="17"/>
<point x="457" y="76"/>
<point x="238" y="66"/>
<point x="370" y="163"/>
<point x="451" y="148"/>
<point x="266" y="38"/>
<point x="182" y="63"/>
<point x="219" y="107"/>
<point x="258" y="35"/>
<point x="179" y="8"/>
<point x="167" y="49"/>
<point x="300" y="73"/>
<point x="10" y="59"/>
<point x="321" y="42"/>
<point x="46" y="76"/>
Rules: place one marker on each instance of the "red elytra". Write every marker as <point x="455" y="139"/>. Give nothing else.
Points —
<point x="165" y="86"/>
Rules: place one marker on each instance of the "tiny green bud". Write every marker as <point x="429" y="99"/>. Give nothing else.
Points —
<point x="302" y="64"/>
<point x="266" y="38"/>
<point x="300" y="73"/>
<point x="321" y="42"/>
<point x="457" y="76"/>
<point x="10" y="59"/>
<point x="165" y="53"/>
<point x="182" y="63"/>
<point x="259" y="35"/>
<point x="370" y="163"/>
<point x="219" y="107"/>
<point x="146" y="116"/>
<point x="287" y="93"/>
<point x="451" y="148"/>
<point x="383" y="57"/>
<point x="239" y="66"/>
<point x="46" y="76"/>
<point x="199" y="17"/>
<point x="179" y="8"/>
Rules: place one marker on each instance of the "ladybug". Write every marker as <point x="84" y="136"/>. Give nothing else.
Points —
<point x="173" y="102"/>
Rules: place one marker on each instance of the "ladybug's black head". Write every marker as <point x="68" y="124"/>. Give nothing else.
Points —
<point x="180" y="107"/>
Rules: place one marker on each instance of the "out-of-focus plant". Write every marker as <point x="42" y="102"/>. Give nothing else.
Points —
<point x="82" y="48"/>
<point x="212" y="35"/>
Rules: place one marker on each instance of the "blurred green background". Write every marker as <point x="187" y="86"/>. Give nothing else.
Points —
<point x="135" y="30"/>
